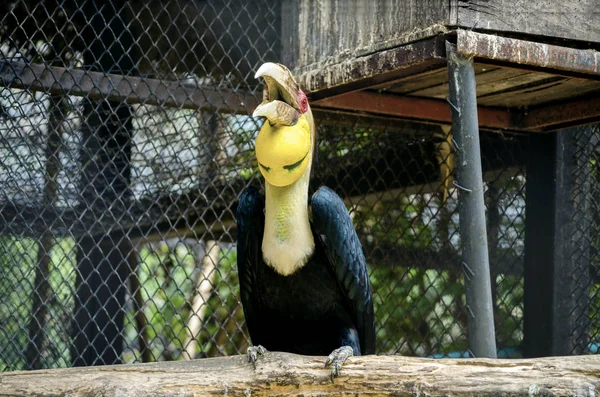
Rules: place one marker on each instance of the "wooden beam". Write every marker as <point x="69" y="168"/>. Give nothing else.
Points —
<point x="373" y="69"/>
<point x="291" y="375"/>
<point x="380" y="256"/>
<point x="536" y="119"/>
<point x="528" y="53"/>
<point x="160" y="213"/>
<point x="543" y="118"/>
<point x="414" y="108"/>
<point x="130" y="89"/>
<point x="370" y="199"/>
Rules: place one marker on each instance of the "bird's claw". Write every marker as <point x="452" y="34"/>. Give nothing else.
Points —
<point x="335" y="371"/>
<point x="253" y="352"/>
<point x="336" y="359"/>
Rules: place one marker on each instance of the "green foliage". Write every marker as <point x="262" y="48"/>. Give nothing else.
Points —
<point x="225" y="333"/>
<point x="167" y="277"/>
<point x="18" y="260"/>
<point x="594" y="314"/>
<point x="413" y="250"/>
<point x="508" y="310"/>
<point x="420" y="309"/>
<point x="416" y="311"/>
<point x="164" y="277"/>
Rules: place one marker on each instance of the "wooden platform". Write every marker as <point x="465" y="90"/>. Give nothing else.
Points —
<point x="521" y="85"/>
<point x="537" y="63"/>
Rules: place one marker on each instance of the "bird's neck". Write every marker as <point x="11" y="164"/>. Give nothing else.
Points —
<point x="288" y="242"/>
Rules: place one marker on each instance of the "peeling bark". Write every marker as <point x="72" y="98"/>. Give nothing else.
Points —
<point x="289" y="374"/>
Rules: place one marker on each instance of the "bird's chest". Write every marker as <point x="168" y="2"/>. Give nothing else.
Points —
<point x="310" y="293"/>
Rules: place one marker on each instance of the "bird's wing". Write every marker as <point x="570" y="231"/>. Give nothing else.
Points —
<point x="334" y="226"/>
<point x="250" y="225"/>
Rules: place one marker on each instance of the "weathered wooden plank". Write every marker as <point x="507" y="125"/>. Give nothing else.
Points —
<point x="508" y="79"/>
<point x="576" y="20"/>
<point x="494" y="80"/>
<point x="131" y="89"/>
<point x="434" y="110"/>
<point x="279" y="374"/>
<point x="413" y="82"/>
<point x="331" y="31"/>
<point x="529" y="53"/>
<point x="427" y="80"/>
<point x="373" y="69"/>
<point x="552" y="90"/>
<point x="506" y="87"/>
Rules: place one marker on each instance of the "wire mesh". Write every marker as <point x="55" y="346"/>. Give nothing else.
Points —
<point x="585" y="237"/>
<point x="396" y="178"/>
<point x="122" y="159"/>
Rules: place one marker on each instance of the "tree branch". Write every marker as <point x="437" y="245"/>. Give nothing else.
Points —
<point x="204" y="285"/>
<point x="288" y="374"/>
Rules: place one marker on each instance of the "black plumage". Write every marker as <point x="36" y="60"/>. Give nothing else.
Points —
<point x="322" y="306"/>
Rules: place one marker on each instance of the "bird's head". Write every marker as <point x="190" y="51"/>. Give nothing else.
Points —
<point x="284" y="147"/>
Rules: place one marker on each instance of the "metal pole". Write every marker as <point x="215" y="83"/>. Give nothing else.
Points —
<point x="476" y="268"/>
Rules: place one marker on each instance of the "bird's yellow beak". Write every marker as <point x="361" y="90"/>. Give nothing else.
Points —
<point x="283" y="146"/>
<point x="279" y="84"/>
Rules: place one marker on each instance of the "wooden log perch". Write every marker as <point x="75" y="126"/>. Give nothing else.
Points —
<point x="283" y="374"/>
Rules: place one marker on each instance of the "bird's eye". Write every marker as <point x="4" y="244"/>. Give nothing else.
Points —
<point x="304" y="105"/>
<point x="302" y="102"/>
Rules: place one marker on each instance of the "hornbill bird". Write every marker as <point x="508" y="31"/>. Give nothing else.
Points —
<point x="304" y="283"/>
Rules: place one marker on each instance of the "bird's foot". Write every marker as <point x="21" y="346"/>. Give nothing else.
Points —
<point x="253" y="352"/>
<point x="337" y="358"/>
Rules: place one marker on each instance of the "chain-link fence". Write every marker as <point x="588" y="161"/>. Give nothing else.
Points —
<point x="125" y="143"/>
<point x="396" y="178"/>
<point x="584" y="239"/>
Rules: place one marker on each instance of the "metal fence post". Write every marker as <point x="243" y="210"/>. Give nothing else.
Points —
<point x="463" y="101"/>
<point x="557" y="263"/>
<point x="103" y="258"/>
